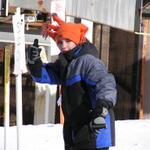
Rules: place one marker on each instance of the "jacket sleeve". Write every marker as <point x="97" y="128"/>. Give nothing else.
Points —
<point x="47" y="74"/>
<point x="104" y="84"/>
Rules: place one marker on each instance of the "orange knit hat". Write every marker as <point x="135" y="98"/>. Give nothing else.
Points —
<point x="72" y="31"/>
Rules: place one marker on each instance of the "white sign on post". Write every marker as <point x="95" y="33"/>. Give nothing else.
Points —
<point x="18" y="26"/>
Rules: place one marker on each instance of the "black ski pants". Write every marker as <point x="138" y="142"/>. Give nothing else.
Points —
<point x="97" y="149"/>
<point x="90" y="149"/>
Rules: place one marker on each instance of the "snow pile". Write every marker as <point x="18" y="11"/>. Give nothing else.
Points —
<point x="130" y="135"/>
<point x="35" y="137"/>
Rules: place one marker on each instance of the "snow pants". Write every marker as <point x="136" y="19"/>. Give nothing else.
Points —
<point x="78" y="136"/>
<point x="88" y="149"/>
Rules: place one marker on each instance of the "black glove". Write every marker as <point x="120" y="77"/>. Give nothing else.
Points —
<point x="33" y="53"/>
<point x="34" y="62"/>
<point x="99" y="122"/>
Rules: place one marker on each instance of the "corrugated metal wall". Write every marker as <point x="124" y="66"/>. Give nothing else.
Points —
<point x="115" y="13"/>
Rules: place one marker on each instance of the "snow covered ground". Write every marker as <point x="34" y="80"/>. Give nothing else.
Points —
<point x="130" y="135"/>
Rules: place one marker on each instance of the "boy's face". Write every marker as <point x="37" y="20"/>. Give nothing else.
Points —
<point x="66" y="45"/>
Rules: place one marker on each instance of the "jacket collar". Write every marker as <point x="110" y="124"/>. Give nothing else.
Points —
<point x="79" y="50"/>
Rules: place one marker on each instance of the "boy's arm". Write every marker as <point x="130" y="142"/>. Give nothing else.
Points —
<point x="40" y="72"/>
<point x="104" y="87"/>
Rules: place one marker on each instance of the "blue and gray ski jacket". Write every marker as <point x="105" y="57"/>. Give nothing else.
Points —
<point x="85" y="82"/>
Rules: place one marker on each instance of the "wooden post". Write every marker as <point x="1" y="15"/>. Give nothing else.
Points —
<point x="105" y="45"/>
<point x="7" y="96"/>
<point x="97" y="37"/>
<point x="101" y="34"/>
<point x="144" y="52"/>
<point x="61" y="115"/>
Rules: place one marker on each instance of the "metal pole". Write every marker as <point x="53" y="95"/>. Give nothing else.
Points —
<point x="19" y="68"/>
<point x="19" y="109"/>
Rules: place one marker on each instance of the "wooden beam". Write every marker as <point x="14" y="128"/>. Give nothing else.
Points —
<point x="97" y="37"/>
<point x="7" y="37"/>
<point x="105" y="45"/>
<point x="144" y="53"/>
<point x="101" y="34"/>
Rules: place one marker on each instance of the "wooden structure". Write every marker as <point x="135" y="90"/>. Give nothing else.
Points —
<point x="118" y="50"/>
<point x="45" y="99"/>
<point x="145" y="103"/>
<point x="125" y="53"/>
<point x="127" y="56"/>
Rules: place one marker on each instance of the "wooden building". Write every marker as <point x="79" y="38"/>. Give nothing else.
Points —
<point x="121" y="34"/>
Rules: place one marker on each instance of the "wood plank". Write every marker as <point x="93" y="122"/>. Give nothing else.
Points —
<point x="97" y="37"/>
<point x="105" y="45"/>
<point x="145" y="89"/>
<point x="7" y="37"/>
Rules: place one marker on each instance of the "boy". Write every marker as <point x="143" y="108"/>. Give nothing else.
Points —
<point x="88" y="90"/>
